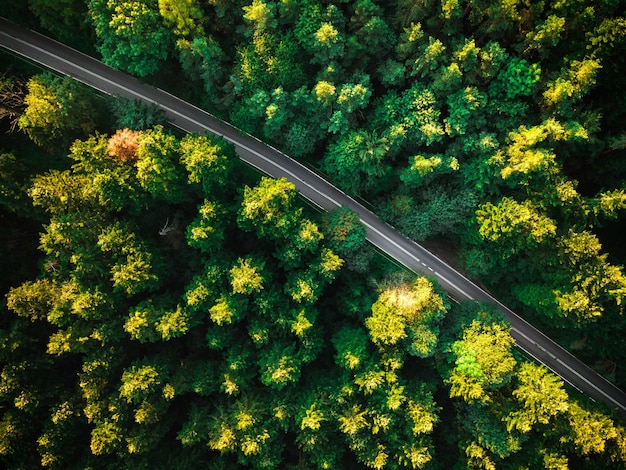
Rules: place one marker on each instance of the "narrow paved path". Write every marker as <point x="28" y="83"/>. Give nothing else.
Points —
<point x="270" y="161"/>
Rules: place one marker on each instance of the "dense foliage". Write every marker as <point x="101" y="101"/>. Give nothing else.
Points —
<point x="496" y="125"/>
<point x="188" y="314"/>
<point x="183" y="312"/>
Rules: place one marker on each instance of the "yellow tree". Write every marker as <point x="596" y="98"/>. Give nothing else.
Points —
<point x="408" y="315"/>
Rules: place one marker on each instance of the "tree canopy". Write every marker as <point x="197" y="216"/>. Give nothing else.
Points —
<point x="165" y="306"/>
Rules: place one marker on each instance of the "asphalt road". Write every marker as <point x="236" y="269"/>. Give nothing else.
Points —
<point x="270" y="161"/>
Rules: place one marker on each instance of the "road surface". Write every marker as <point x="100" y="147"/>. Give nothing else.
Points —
<point x="270" y="161"/>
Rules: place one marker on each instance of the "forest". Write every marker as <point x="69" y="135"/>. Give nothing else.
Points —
<point x="165" y="306"/>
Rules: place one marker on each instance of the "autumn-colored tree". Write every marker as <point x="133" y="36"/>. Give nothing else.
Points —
<point x="123" y="145"/>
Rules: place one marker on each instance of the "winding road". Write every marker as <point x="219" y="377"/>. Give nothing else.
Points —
<point x="62" y="59"/>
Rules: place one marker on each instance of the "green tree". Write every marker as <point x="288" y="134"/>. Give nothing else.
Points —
<point x="570" y="86"/>
<point x="13" y="185"/>
<point x="595" y="283"/>
<point x="518" y="78"/>
<point x="483" y="361"/>
<point x="157" y="171"/>
<point x="486" y="429"/>
<point x="246" y="276"/>
<point x="513" y="224"/>
<point x="464" y="112"/>
<point x="351" y="345"/>
<point x="151" y="321"/>
<point x="352" y="97"/>
<point x="590" y="430"/>
<point x="269" y="208"/>
<point x="609" y="203"/>
<point x="184" y="18"/>
<point x="419" y="116"/>
<point x="523" y="156"/>
<point x="545" y="35"/>
<point x="541" y="395"/>
<point x="439" y="213"/>
<point x="356" y="161"/>
<point x="207" y="231"/>
<point x="33" y="300"/>
<point x="583" y="287"/>
<point x="382" y="418"/>
<point x="64" y="19"/>
<point x="260" y="14"/>
<point x="344" y="231"/>
<point x="279" y="366"/>
<point x="131" y="263"/>
<point x="408" y="315"/>
<point x="227" y="310"/>
<point x="132" y="35"/>
<point x="209" y="161"/>
<point x="372" y="35"/>
<point x="301" y="245"/>
<point x="423" y="169"/>
<point x="57" y="110"/>
<point x="328" y="43"/>
<point x="203" y="58"/>
<point x="268" y="61"/>
<point x="109" y="165"/>
<point x="106" y="438"/>
<point x="135" y="114"/>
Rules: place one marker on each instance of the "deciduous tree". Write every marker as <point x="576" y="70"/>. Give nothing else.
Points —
<point x="131" y="33"/>
<point x="57" y="110"/>
<point x="407" y="315"/>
